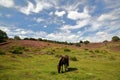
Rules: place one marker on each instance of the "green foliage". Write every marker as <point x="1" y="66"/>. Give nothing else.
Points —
<point x="40" y="39"/>
<point x="67" y="50"/>
<point x="86" y="49"/>
<point x="73" y="58"/>
<point x="86" y="42"/>
<point x="115" y="38"/>
<point x="33" y="39"/>
<point x="17" y="49"/>
<point x="78" y="44"/>
<point x="97" y="51"/>
<point x="81" y="41"/>
<point x="2" y="52"/>
<point x="26" y="38"/>
<point x="3" y="36"/>
<point x="17" y="38"/>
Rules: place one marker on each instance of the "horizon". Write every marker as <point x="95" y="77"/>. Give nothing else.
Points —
<point x="71" y="21"/>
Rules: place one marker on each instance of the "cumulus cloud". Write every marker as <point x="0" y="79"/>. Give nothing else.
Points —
<point x="60" y="13"/>
<point x="7" y="3"/>
<point x="38" y="20"/>
<point x="107" y="17"/>
<point x="35" y="8"/>
<point x="75" y="15"/>
<point x="0" y="14"/>
<point x="13" y="31"/>
<point x="78" y="25"/>
<point x="63" y="36"/>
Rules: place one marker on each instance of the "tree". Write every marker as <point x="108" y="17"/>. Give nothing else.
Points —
<point x="17" y="38"/>
<point x="115" y="38"/>
<point x="81" y="41"/>
<point x="40" y="39"/>
<point x="3" y="36"/>
<point x="86" y="42"/>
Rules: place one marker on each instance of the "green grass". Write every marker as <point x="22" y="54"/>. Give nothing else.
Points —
<point x="90" y="65"/>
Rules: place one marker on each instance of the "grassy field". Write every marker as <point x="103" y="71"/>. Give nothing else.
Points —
<point x="40" y="63"/>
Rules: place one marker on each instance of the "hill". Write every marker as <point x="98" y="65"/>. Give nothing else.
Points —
<point x="37" y="60"/>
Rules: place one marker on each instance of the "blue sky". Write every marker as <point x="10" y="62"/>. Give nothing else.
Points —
<point x="61" y="20"/>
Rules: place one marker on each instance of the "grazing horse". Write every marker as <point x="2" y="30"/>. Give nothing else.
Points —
<point x="63" y="61"/>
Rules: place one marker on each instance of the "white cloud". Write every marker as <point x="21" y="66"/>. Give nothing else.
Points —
<point x="45" y="26"/>
<point x="7" y="3"/>
<point x="38" y="20"/>
<point x="78" y="25"/>
<point x="63" y="36"/>
<point x="60" y="13"/>
<point x="75" y="15"/>
<point x="8" y="15"/>
<point x="51" y="13"/>
<point x="28" y="9"/>
<point x="13" y="31"/>
<point x="35" y="8"/>
<point x="0" y="14"/>
<point x="105" y="17"/>
<point x="112" y="4"/>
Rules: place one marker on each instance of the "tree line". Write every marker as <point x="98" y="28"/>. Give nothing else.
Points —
<point x="4" y="37"/>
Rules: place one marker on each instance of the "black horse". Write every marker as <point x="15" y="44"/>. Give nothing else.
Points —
<point x="63" y="61"/>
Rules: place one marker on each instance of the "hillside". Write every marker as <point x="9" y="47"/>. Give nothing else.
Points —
<point x="37" y="60"/>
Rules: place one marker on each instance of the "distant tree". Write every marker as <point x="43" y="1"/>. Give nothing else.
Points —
<point x="40" y="39"/>
<point x="86" y="42"/>
<point x="81" y="41"/>
<point x="105" y="41"/>
<point x="32" y="39"/>
<point x="115" y="38"/>
<point x="3" y="36"/>
<point x="78" y="44"/>
<point x="26" y="38"/>
<point x="17" y="38"/>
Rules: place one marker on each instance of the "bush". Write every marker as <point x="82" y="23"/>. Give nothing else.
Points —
<point x="86" y="49"/>
<point x="17" y="38"/>
<point x="73" y="58"/>
<point x="78" y="44"/>
<point x="91" y="51"/>
<point x="3" y="36"/>
<point x="97" y="51"/>
<point x="67" y="50"/>
<point x="115" y="38"/>
<point x="17" y="49"/>
<point x="2" y="52"/>
<point x="86" y="42"/>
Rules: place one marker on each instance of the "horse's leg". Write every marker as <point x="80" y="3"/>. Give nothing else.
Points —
<point x="62" y="69"/>
<point x="59" y="68"/>
<point x="65" y="67"/>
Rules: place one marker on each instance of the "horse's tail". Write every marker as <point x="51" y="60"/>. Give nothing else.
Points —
<point x="58" y="67"/>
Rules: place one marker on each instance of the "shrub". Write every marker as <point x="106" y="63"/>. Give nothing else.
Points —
<point x="112" y="58"/>
<point x="78" y="44"/>
<point x="73" y="58"/>
<point x="86" y="49"/>
<point x="17" y="38"/>
<point x="2" y="52"/>
<point x="97" y="51"/>
<point x="91" y="51"/>
<point x="3" y="36"/>
<point x="50" y="52"/>
<point x="17" y="49"/>
<point x="86" y="42"/>
<point x="67" y="50"/>
<point x="115" y="38"/>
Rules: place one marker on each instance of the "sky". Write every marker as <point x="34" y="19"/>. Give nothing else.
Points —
<point x="61" y="20"/>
